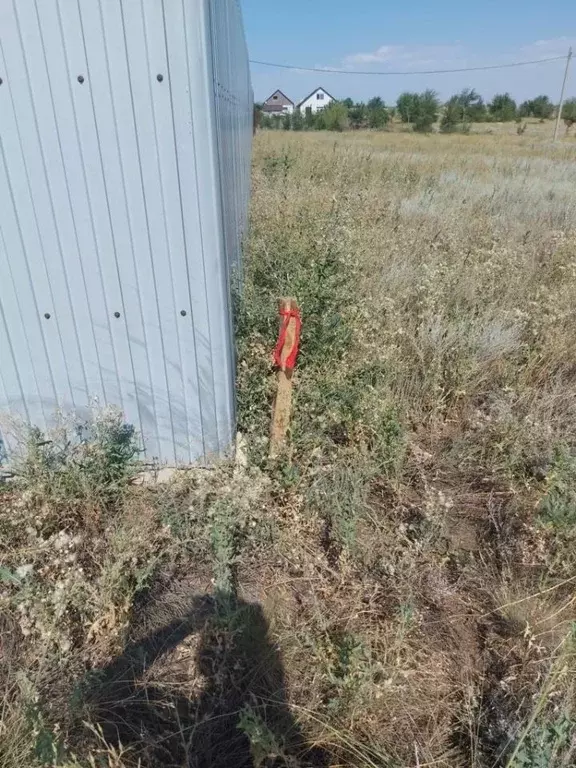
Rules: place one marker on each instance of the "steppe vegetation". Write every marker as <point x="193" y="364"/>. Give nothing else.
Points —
<point x="424" y="112"/>
<point x="398" y="590"/>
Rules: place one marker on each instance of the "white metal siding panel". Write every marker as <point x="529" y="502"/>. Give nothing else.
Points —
<point x="125" y="133"/>
<point x="233" y="119"/>
<point x="211" y="216"/>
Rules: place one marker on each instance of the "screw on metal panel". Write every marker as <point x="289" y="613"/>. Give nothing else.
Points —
<point x="183" y="312"/>
<point x="47" y="315"/>
<point x="159" y="78"/>
<point x="80" y="79"/>
<point x="116" y="314"/>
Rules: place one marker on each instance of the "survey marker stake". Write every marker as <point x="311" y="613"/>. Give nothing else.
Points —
<point x="285" y="356"/>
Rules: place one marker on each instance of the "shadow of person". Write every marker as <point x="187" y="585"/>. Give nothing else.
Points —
<point x="240" y="717"/>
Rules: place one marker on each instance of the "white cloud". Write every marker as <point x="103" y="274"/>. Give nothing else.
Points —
<point x="382" y="54"/>
<point x="556" y="43"/>
<point x="407" y="56"/>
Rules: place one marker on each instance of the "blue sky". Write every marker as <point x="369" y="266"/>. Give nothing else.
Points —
<point x="422" y="34"/>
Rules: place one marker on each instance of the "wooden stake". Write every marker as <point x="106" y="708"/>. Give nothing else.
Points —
<point x="283" y="400"/>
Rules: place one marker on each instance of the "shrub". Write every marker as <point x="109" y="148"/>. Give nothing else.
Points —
<point x="426" y="112"/>
<point x="407" y="106"/>
<point x="503" y="107"/>
<point x="265" y="121"/>
<point x="453" y="117"/>
<point x="297" y="120"/>
<point x="378" y="115"/>
<point x="462" y="109"/>
<point x="334" y="117"/>
<point x="420" y="109"/>
<point x="540" y="107"/>
<point x="569" y="113"/>
<point x="357" y="116"/>
<point x="79" y="464"/>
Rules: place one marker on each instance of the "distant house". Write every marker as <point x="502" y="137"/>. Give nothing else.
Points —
<point x="318" y="99"/>
<point x="278" y="104"/>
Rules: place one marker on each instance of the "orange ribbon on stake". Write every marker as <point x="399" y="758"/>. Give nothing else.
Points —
<point x="283" y="358"/>
<point x="285" y="355"/>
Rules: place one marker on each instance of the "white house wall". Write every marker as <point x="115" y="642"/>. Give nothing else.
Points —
<point x="125" y="134"/>
<point x="315" y="104"/>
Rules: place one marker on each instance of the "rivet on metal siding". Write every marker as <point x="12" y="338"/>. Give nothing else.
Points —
<point x="80" y="79"/>
<point x="47" y="315"/>
<point x="183" y="312"/>
<point x="116" y="314"/>
<point x="159" y="78"/>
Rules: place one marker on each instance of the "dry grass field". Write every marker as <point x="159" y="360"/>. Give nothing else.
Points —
<point x="398" y="590"/>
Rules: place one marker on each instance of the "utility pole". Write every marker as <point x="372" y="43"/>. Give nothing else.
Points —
<point x="559" y="115"/>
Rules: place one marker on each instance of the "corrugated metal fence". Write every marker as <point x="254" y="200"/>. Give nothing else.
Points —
<point x="125" y="133"/>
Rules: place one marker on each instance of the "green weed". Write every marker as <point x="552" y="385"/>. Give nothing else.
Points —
<point x="264" y="744"/>
<point x="275" y="166"/>
<point x="547" y="745"/>
<point x="558" y="507"/>
<point x="78" y="466"/>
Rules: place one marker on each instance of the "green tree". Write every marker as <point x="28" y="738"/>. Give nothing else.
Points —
<point x="320" y="120"/>
<point x="462" y="109"/>
<point x="309" y="118"/>
<point x="297" y="120"/>
<point x="348" y="103"/>
<point x="406" y="106"/>
<point x="540" y="107"/>
<point x="265" y="120"/>
<point x="525" y="109"/>
<point x="420" y="109"/>
<point x="569" y="113"/>
<point x="334" y="116"/>
<point x="503" y="107"/>
<point x="474" y="109"/>
<point x="357" y="116"/>
<point x="378" y="115"/>
<point x="427" y="109"/>
<point x="287" y="121"/>
<point x="376" y="103"/>
<point x="452" y="116"/>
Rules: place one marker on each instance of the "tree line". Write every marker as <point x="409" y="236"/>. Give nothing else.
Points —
<point x="422" y="111"/>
